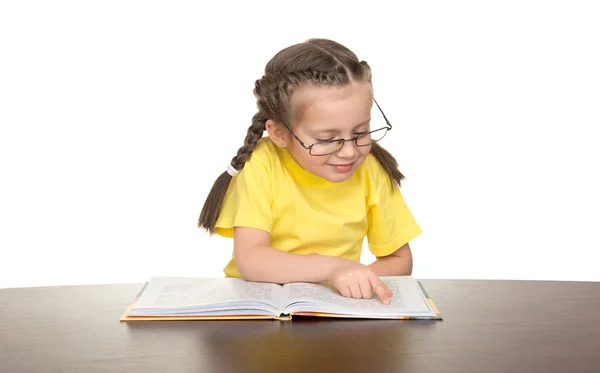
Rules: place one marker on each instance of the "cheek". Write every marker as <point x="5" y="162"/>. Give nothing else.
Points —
<point x="313" y="161"/>
<point x="308" y="161"/>
<point x="364" y="150"/>
<point x="363" y="153"/>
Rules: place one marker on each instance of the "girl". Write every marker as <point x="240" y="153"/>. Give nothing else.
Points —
<point x="299" y="202"/>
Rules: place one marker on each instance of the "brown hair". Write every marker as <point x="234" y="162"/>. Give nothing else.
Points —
<point x="318" y="62"/>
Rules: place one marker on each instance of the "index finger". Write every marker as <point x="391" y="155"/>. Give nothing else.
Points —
<point x="381" y="289"/>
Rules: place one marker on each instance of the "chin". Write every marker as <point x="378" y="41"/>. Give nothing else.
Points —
<point x="338" y="178"/>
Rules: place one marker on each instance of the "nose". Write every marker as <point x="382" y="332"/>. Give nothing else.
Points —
<point x="348" y="150"/>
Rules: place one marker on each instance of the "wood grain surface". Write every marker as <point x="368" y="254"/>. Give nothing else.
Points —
<point x="488" y="326"/>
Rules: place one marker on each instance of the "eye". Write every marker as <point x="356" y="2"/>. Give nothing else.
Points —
<point x="325" y="140"/>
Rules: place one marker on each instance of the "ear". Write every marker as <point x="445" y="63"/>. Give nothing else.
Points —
<point x="277" y="133"/>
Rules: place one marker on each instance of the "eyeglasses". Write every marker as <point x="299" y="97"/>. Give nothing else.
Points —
<point x="333" y="146"/>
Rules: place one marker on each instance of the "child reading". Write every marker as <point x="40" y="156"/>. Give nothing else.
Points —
<point x="299" y="202"/>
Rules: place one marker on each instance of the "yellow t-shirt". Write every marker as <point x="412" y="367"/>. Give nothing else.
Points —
<point x="306" y="214"/>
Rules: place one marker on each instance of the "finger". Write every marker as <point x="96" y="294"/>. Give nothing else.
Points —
<point x="340" y="283"/>
<point x="344" y="290"/>
<point x="380" y="289"/>
<point x="355" y="290"/>
<point x="365" y="288"/>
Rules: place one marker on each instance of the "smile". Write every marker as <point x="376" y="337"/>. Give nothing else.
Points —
<point x="343" y="167"/>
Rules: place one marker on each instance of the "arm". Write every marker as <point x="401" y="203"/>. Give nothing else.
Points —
<point x="398" y="263"/>
<point x="257" y="261"/>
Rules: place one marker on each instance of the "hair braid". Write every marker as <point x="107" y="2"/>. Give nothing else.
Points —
<point x="214" y="200"/>
<point x="254" y="133"/>
<point x="389" y="164"/>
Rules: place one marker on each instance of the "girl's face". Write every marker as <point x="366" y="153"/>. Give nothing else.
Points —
<point x="330" y="113"/>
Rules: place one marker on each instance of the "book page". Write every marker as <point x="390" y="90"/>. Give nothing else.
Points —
<point x="173" y="292"/>
<point x="309" y="297"/>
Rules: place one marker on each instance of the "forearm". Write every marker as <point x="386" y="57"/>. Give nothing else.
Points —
<point x="266" y="264"/>
<point x="392" y="266"/>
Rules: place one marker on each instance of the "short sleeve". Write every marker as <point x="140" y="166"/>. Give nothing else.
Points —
<point x="248" y="200"/>
<point x="391" y="224"/>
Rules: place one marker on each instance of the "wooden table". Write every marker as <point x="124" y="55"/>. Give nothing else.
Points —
<point x="488" y="326"/>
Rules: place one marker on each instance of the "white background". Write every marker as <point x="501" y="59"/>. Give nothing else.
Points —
<point x="109" y="110"/>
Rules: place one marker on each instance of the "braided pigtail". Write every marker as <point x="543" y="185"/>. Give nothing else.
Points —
<point x="385" y="158"/>
<point x="388" y="162"/>
<point x="214" y="200"/>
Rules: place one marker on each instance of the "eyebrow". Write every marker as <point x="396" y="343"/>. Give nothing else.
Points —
<point x="322" y="131"/>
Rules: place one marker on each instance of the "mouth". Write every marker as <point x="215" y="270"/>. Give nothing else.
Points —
<point x="343" y="167"/>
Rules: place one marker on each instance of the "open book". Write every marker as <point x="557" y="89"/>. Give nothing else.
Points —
<point x="182" y="298"/>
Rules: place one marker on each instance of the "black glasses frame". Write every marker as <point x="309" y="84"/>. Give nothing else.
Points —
<point x="341" y="142"/>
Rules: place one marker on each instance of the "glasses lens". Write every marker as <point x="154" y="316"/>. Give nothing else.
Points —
<point x="324" y="148"/>
<point x="371" y="137"/>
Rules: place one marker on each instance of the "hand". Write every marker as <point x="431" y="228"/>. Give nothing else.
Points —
<point x="356" y="280"/>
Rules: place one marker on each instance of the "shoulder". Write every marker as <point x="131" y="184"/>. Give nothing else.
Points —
<point x="265" y="153"/>
<point x="249" y="194"/>
<point x="263" y="160"/>
<point x="262" y="167"/>
<point x="372" y="173"/>
<point x="378" y="186"/>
